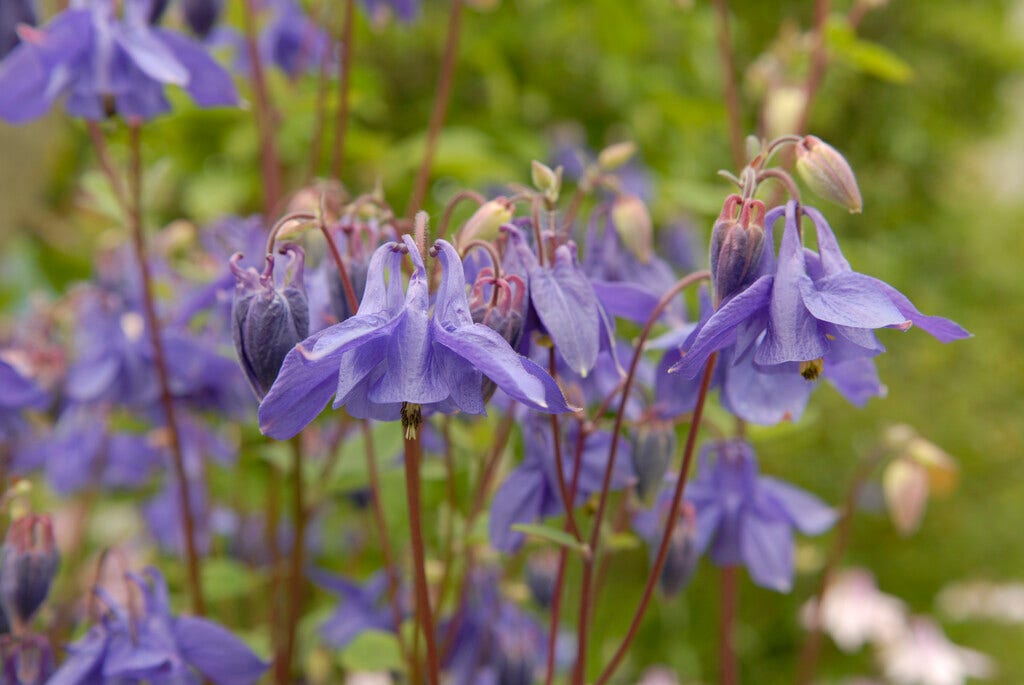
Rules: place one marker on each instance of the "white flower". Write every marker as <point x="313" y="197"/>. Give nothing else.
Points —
<point x="853" y="612"/>
<point x="923" y="655"/>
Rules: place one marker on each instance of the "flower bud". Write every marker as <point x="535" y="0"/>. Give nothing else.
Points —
<point x="545" y="180"/>
<point x="737" y="242"/>
<point x="503" y="310"/>
<point x="614" y="156"/>
<point x="202" y="15"/>
<point x="542" y="576"/>
<point x="827" y="173"/>
<point x="28" y="562"/>
<point x="682" y="557"/>
<point x="267" y="321"/>
<point x="27" y="660"/>
<point x="485" y="222"/>
<point x="653" y="447"/>
<point x="632" y="222"/>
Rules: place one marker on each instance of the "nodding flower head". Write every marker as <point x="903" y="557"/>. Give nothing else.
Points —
<point x="501" y="308"/>
<point x="737" y="242"/>
<point x="28" y="563"/>
<point x="268" y="321"/>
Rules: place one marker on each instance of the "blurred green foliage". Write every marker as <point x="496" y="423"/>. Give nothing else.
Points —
<point x="917" y="98"/>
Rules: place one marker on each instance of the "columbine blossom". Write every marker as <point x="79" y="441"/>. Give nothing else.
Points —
<point x="105" y="65"/>
<point x="745" y="518"/>
<point x="363" y="607"/>
<point x="19" y="393"/>
<point x="395" y="350"/>
<point x="155" y="646"/>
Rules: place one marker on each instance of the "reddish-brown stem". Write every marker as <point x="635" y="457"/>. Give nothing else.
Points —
<point x="413" y="457"/>
<point x="728" y="669"/>
<point x="730" y="91"/>
<point x="812" y="644"/>
<point x="563" y="488"/>
<point x="670" y="524"/>
<point x="160" y="362"/>
<point x="99" y="143"/>
<point x="437" y="115"/>
<point x="266" y="118"/>
<point x="339" y="263"/>
<point x="320" y="119"/>
<point x="586" y="600"/>
<point x="344" y="88"/>
<point x="387" y="550"/>
<point x="295" y="575"/>
<point x="449" y="209"/>
<point x="574" y="207"/>
<point x="819" y="61"/>
<point x="273" y="504"/>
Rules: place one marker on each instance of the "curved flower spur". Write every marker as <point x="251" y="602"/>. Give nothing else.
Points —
<point x="396" y="350"/>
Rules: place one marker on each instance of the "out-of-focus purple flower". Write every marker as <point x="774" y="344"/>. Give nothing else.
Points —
<point x="292" y="41"/>
<point x="393" y="352"/>
<point x="748" y="519"/>
<point x="155" y="646"/>
<point x="17" y="393"/>
<point x="379" y="10"/>
<point x="541" y="576"/>
<point x="683" y="554"/>
<point x="654" y="443"/>
<point x="27" y="659"/>
<point x="12" y="14"/>
<point x="106" y="65"/>
<point x="531" y="491"/>
<point x="268" y="321"/>
<point x="28" y="563"/>
<point x="363" y="607"/>
<point x="202" y="15"/>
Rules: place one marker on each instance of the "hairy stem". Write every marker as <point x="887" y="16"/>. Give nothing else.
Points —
<point x="437" y="115"/>
<point x="192" y="562"/>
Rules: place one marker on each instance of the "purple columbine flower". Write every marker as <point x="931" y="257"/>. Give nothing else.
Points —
<point x="19" y="393"/>
<point x="748" y="519"/>
<point x="292" y="41"/>
<point x="363" y="607"/>
<point x="683" y="555"/>
<point x="155" y="646"/>
<point x="811" y="311"/>
<point x="531" y="491"/>
<point x="396" y="351"/>
<point x="106" y="65"/>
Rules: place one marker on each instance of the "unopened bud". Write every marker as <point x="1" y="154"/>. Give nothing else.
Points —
<point x="827" y="173"/>
<point x="653" y="447"/>
<point x="202" y="15"/>
<point x="682" y="558"/>
<point x="632" y="222"/>
<point x="27" y="659"/>
<point x="542" y="576"/>
<point x="28" y="563"/>
<point x="502" y="311"/>
<point x="545" y="180"/>
<point x="783" y="107"/>
<point x="614" y="156"/>
<point x="268" y="321"/>
<point x="737" y="242"/>
<point x="485" y="222"/>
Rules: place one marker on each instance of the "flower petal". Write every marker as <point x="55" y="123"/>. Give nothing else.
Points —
<point x="209" y="84"/>
<point x="941" y="329"/>
<point x="807" y="513"/>
<point x="518" y="500"/>
<point x="767" y="549"/>
<point x="849" y="299"/>
<point x="299" y="394"/>
<point x="216" y="653"/>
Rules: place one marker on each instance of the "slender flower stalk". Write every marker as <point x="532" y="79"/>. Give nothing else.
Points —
<point x="320" y="120"/>
<point x="344" y="88"/>
<point x="437" y="115"/>
<point x="731" y="94"/>
<point x="728" y="669"/>
<point x="411" y="424"/>
<point x="812" y="643"/>
<point x="586" y="601"/>
<point x="270" y="162"/>
<point x="297" y="559"/>
<point x="192" y="562"/>
<point x="670" y="524"/>
<point x="819" y="61"/>
<point x="568" y="499"/>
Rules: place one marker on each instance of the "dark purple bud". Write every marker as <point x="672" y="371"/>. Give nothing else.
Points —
<point x="357" y="272"/>
<point x="13" y="13"/>
<point x="653" y="447"/>
<point x="501" y="307"/>
<point x="268" y="321"/>
<point x="542" y="575"/>
<point x="517" y="654"/>
<point x="682" y="553"/>
<point x="157" y="8"/>
<point x="28" y="562"/>
<point x="27" y="660"/>
<point x="736" y="245"/>
<point x="202" y="15"/>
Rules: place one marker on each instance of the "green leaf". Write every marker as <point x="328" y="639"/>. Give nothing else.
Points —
<point x="870" y="58"/>
<point x="373" y="650"/>
<point x="554" y="535"/>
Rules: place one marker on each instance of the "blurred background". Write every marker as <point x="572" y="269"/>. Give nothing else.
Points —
<point x="925" y="99"/>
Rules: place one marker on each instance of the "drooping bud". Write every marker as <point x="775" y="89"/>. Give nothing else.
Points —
<point x="632" y="222"/>
<point x="202" y="15"/>
<point x="13" y="13"/>
<point x="28" y="563"/>
<point x="502" y="308"/>
<point x="827" y="173"/>
<point x="542" y="576"/>
<point x="614" y="156"/>
<point x="268" y="321"/>
<point x="27" y="659"/>
<point x="653" y="447"/>
<point x="737" y="242"/>
<point x="682" y="557"/>
<point x="485" y="222"/>
<point x="546" y="181"/>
